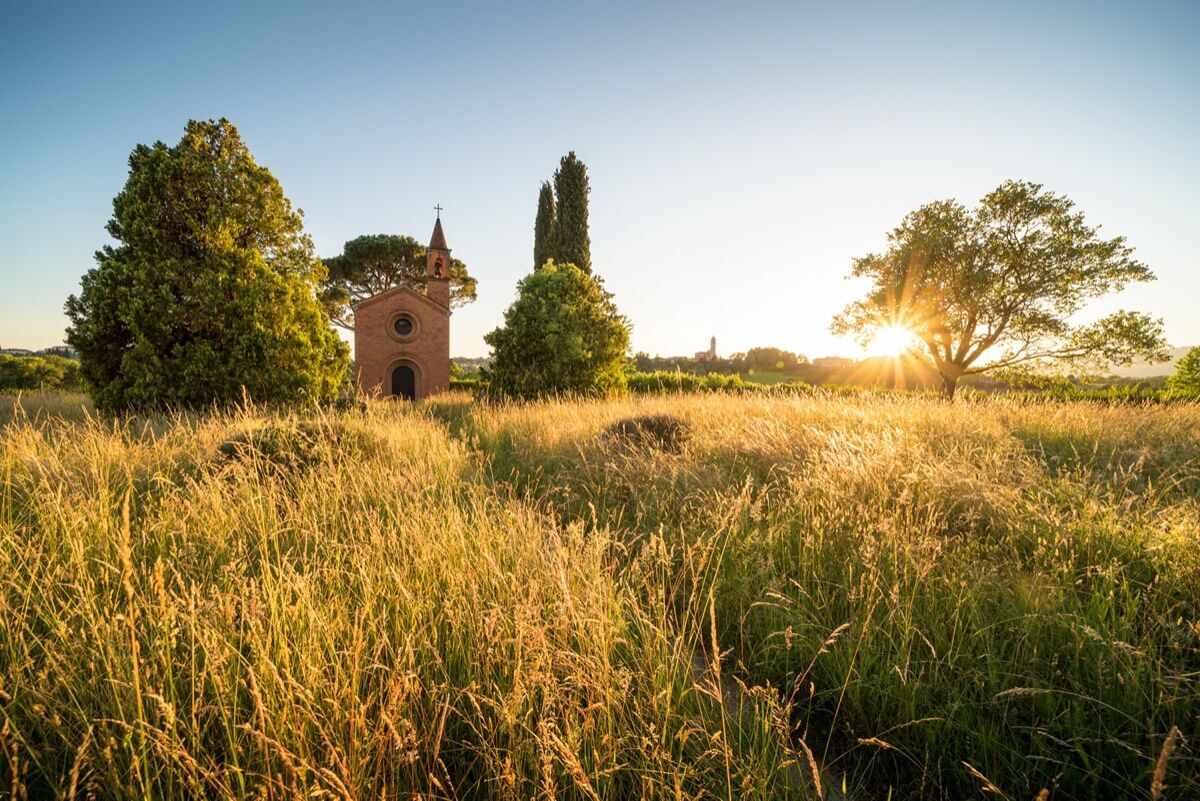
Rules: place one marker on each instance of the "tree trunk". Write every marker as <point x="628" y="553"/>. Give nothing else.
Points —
<point x="949" y="384"/>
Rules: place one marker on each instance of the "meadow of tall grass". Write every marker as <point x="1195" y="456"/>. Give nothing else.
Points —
<point x="801" y="597"/>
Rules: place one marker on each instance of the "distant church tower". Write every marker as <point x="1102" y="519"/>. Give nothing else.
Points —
<point x="402" y="338"/>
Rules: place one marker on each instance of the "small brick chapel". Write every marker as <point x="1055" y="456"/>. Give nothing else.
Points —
<point x="402" y="337"/>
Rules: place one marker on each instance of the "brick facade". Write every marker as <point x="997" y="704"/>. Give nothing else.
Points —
<point x="379" y="348"/>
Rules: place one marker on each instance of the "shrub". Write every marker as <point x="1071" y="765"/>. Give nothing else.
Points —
<point x="562" y="335"/>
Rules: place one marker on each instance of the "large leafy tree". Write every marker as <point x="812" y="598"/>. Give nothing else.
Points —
<point x="372" y="264"/>
<point x="209" y="294"/>
<point x="543" y="226"/>
<point x="997" y="287"/>
<point x="563" y="334"/>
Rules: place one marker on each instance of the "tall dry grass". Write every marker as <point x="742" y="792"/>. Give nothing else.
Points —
<point x="255" y="606"/>
<point x="41" y="406"/>
<point x="889" y="595"/>
<point x="939" y="593"/>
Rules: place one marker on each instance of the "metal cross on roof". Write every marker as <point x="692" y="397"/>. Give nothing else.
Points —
<point x="438" y="208"/>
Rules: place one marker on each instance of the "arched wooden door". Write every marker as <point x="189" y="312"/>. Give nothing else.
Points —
<point x="404" y="382"/>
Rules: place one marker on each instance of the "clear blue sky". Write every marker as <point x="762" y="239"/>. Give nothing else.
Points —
<point x="740" y="154"/>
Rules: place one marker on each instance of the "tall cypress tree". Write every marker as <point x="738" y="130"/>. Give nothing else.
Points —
<point x="571" y="242"/>
<point x="543" y="227"/>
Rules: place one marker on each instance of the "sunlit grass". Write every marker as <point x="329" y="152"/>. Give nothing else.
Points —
<point x="463" y="601"/>
<point x="38" y="406"/>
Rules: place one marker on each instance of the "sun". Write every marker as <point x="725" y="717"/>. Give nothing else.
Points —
<point x="891" y="340"/>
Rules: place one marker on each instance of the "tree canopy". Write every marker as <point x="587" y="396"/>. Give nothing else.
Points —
<point x="210" y="293"/>
<point x="998" y="286"/>
<point x="766" y="358"/>
<point x="374" y="263"/>
<point x="563" y="334"/>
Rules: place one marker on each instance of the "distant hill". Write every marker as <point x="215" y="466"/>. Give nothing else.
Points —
<point x="1145" y="370"/>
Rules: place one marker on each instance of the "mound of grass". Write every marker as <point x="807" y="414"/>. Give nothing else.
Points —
<point x="662" y="432"/>
<point x="284" y="446"/>
<point x="274" y="447"/>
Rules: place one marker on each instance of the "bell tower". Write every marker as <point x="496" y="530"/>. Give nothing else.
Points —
<point x="437" y="265"/>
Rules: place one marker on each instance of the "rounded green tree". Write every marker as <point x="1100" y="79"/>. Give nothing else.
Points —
<point x="1185" y="382"/>
<point x="211" y="294"/>
<point x="563" y="334"/>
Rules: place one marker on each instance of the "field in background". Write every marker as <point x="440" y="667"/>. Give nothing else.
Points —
<point x="768" y="377"/>
<point x="796" y="597"/>
<point x="37" y="407"/>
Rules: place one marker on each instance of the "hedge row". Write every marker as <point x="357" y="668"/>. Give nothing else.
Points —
<point x="663" y="381"/>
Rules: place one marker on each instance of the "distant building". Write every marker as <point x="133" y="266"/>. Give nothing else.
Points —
<point x="709" y="355"/>
<point x="16" y="352"/>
